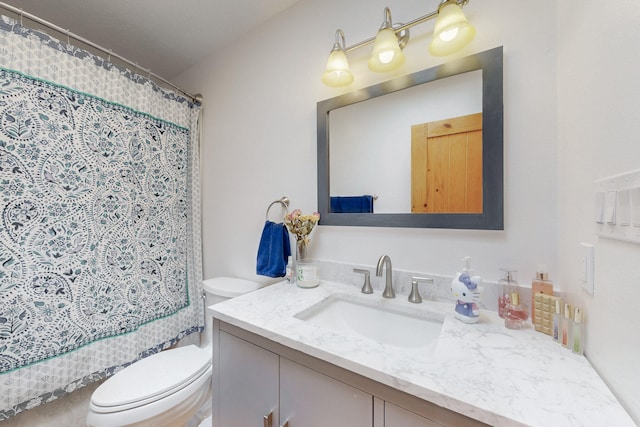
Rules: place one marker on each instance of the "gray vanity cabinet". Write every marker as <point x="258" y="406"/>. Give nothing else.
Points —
<point x="310" y="399"/>
<point x="256" y="383"/>
<point x="260" y="383"/>
<point x="248" y="384"/>
<point x="394" y="416"/>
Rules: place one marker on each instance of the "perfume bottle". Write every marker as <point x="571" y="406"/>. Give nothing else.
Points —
<point x="516" y="314"/>
<point x="557" y="320"/>
<point x="507" y="285"/>
<point x="567" y="326"/>
<point x="578" y="332"/>
<point x="541" y="285"/>
<point x="290" y="277"/>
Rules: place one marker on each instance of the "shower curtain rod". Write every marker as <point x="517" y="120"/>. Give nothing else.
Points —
<point x="21" y="13"/>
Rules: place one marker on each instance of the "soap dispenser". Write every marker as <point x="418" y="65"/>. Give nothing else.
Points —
<point x="466" y="290"/>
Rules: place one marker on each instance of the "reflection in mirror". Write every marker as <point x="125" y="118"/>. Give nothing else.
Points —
<point x="446" y="165"/>
<point x="378" y="161"/>
<point x="374" y="157"/>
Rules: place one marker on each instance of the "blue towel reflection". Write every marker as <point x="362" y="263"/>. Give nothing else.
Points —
<point x="352" y="204"/>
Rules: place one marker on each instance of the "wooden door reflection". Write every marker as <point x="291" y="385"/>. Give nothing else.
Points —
<point x="446" y="165"/>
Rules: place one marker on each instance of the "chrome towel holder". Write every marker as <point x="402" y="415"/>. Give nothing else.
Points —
<point x="284" y="201"/>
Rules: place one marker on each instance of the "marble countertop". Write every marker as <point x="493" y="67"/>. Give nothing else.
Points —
<point x="496" y="375"/>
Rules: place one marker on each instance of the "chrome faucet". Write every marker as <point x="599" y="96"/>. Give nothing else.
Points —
<point x="388" y="287"/>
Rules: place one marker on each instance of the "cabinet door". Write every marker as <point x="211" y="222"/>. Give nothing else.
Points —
<point x="248" y="383"/>
<point x="395" y="416"/>
<point x="310" y="399"/>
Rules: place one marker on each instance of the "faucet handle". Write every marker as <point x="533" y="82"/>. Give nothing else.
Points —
<point x="415" y="297"/>
<point x="366" y="287"/>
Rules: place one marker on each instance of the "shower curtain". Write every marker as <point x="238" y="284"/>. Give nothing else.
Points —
<point x="100" y="230"/>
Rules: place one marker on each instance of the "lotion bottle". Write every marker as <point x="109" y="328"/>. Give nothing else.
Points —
<point x="540" y="285"/>
<point x="289" y="276"/>
<point x="578" y="332"/>
<point x="557" y="321"/>
<point x="567" y="326"/>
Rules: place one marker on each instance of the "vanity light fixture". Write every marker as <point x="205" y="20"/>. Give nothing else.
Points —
<point x="387" y="54"/>
<point x="338" y="73"/>
<point x="452" y="32"/>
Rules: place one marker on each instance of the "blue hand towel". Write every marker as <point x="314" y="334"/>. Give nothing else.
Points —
<point x="274" y="250"/>
<point x="352" y="204"/>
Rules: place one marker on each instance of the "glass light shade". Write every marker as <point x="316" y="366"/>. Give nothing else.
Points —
<point x="337" y="73"/>
<point x="452" y="31"/>
<point x="387" y="55"/>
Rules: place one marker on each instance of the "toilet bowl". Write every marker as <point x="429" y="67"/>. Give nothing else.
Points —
<point x="167" y="388"/>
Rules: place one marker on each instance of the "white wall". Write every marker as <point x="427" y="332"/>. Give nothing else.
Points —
<point x="260" y="136"/>
<point x="571" y="100"/>
<point x="598" y="128"/>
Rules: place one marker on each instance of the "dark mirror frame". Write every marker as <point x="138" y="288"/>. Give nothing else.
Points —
<point x="492" y="216"/>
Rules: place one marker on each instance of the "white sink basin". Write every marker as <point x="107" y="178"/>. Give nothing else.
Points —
<point x="388" y="322"/>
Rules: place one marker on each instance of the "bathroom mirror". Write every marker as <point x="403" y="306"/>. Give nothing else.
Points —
<point x="365" y="144"/>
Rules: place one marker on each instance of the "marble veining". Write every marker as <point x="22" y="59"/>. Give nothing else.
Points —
<point x="499" y="376"/>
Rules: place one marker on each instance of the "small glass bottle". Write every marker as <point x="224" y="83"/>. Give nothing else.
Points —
<point x="290" y="277"/>
<point x="516" y="314"/>
<point x="578" y="332"/>
<point x="567" y="326"/>
<point x="507" y="285"/>
<point x="557" y="321"/>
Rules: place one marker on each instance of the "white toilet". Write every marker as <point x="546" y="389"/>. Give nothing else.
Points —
<point x="167" y="388"/>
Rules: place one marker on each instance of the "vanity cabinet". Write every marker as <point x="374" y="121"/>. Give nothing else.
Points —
<point x="248" y="383"/>
<point x="256" y="383"/>
<point x="311" y="399"/>
<point x="394" y="416"/>
<point x="260" y="383"/>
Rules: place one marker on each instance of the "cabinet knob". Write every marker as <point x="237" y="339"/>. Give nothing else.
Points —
<point x="268" y="420"/>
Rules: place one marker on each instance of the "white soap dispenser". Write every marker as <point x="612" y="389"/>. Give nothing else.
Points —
<point x="467" y="290"/>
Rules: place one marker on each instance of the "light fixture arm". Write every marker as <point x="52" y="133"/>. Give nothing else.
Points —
<point x="340" y="42"/>
<point x="387" y="19"/>
<point x="404" y="27"/>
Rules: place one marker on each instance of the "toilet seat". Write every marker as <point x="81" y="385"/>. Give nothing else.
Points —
<point x="149" y="379"/>
<point x="229" y="287"/>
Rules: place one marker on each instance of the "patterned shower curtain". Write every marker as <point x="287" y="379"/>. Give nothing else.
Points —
<point x="100" y="229"/>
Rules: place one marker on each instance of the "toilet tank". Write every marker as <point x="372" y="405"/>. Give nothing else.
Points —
<point x="221" y="289"/>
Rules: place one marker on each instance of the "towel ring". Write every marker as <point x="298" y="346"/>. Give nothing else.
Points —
<point x="284" y="201"/>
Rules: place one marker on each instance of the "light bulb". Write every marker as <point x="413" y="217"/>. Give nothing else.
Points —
<point x="448" y="35"/>
<point x="387" y="55"/>
<point x="452" y="31"/>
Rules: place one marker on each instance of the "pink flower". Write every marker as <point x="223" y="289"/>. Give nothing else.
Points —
<point x="301" y="225"/>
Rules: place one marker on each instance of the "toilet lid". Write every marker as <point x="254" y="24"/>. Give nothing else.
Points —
<point x="229" y="287"/>
<point x="154" y="376"/>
